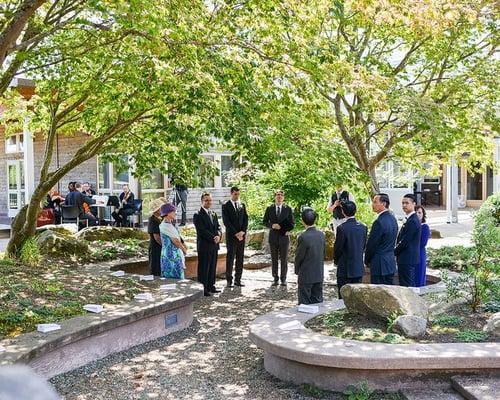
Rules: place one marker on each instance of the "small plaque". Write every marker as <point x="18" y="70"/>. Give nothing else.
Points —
<point x="95" y="308"/>
<point x="170" y="320"/>
<point x="308" y="309"/>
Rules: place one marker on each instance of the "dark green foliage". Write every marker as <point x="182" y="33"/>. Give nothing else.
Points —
<point x="453" y="258"/>
<point x="471" y="336"/>
<point x="448" y="320"/>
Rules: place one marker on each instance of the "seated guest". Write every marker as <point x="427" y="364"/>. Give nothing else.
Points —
<point x="379" y="254"/>
<point x="77" y="198"/>
<point x="127" y="207"/>
<point x="54" y="200"/>
<point x="420" y="273"/>
<point x="309" y="260"/>
<point x="71" y="187"/>
<point x="173" y="250"/>
<point x="87" y="189"/>
<point x="154" y="236"/>
<point x="349" y="247"/>
<point x="407" y="248"/>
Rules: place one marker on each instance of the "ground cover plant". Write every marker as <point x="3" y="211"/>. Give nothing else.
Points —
<point x="455" y="325"/>
<point x="54" y="291"/>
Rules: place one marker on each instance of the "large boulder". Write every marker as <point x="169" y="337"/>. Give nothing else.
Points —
<point x="383" y="301"/>
<point x="110" y="233"/>
<point x="493" y="324"/>
<point x="65" y="229"/>
<point x="255" y="239"/>
<point x="410" y="326"/>
<point x="55" y="243"/>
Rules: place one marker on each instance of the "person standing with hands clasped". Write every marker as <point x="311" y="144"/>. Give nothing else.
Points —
<point x="408" y="243"/>
<point x="235" y="217"/>
<point x="279" y="219"/>
<point x="310" y="260"/>
<point x="208" y="236"/>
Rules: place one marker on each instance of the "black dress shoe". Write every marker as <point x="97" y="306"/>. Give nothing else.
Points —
<point x="215" y="291"/>
<point x="207" y="294"/>
<point x="283" y="283"/>
<point x="275" y="283"/>
<point x="239" y="284"/>
<point x="229" y="284"/>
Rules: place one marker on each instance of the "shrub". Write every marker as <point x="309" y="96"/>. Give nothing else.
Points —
<point x="454" y="258"/>
<point x="448" y="320"/>
<point x="358" y="392"/>
<point x="471" y="336"/>
<point x="480" y="280"/>
<point x="30" y="253"/>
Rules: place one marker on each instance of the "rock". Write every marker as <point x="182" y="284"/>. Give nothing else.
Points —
<point x="110" y="233"/>
<point x="383" y="301"/>
<point x="493" y="324"/>
<point x="255" y="239"/>
<point x="65" y="229"/>
<point x="257" y="262"/>
<point x="410" y="326"/>
<point x="329" y="242"/>
<point x="50" y="242"/>
<point x="435" y="234"/>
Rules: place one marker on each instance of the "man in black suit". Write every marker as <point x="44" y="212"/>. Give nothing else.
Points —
<point x="235" y="217"/>
<point x="349" y="247"/>
<point x="208" y="235"/>
<point x="77" y="198"/>
<point x="408" y="243"/>
<point x="279" y="219"/>
<point x="309" y="260"/>
<point x="379" y="254"/>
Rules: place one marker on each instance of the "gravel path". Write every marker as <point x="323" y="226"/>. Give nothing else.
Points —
<point x="212" y="359"/>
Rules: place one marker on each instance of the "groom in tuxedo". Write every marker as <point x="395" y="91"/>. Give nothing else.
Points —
<point x="208" y="236"/>
<point x="235" y="217"/>
<point x="279" y="219"/>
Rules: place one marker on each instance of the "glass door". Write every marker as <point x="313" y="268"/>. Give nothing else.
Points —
<point x="15" y="186"/>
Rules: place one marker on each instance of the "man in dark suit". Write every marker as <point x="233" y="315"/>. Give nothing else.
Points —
<point x="309" y="260"/>
<point x="235" y="217"/>
<point x="379" y="254"/>
<point x="408" y="243"/>
<point x="279" y="219"/>
<point x="349" y="247"/>
<point x="77" y="198"/>
<point x="208" y="235"/>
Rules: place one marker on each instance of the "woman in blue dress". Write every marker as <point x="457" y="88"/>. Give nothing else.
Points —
<point x="173" y="250"/>
<point x="420" y="273"/>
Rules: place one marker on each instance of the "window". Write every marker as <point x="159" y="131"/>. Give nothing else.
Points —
<point x="120" y="173"/>
<point x="489" y="181"/>
<point x="474" y="186"/>
<point x="15" y="186"/>
<point x="112" y="176"/>
<point x="104" y="175"/>
<point x="227" y="164"/>
<point x="14" y="143"/>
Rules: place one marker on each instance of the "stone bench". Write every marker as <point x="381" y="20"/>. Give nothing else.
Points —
<point x="94" y="336"/>
<point x="303" y="356"/>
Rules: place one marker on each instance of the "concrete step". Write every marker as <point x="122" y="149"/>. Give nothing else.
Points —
<point x="430" y="394"/>
<point x="477" y="387"/>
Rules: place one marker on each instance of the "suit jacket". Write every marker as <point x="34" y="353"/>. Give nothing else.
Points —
<point x="77" y="198"/>
<point x="234" y="221"/>
<point x="379" y="254"/>
<point x="206" y="230"/>
<point x="408" y="242"/>
<point x="349" y="248"/>
<point x="285" y="220"/>
<point x="310" y="256"/>
<point x="130" y="201"/>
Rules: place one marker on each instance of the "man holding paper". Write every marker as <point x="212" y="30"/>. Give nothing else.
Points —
<point x="309" y="260"/>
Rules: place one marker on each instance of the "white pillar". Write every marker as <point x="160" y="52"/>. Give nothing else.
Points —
<point x="452" y="192"/>
<point x="29" y="162"/>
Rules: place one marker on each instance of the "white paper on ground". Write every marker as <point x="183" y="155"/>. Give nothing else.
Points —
<point x="118" y="273"/>
<point x="44" y="328"/>
<point x="2" y="349"/>
<point x="415" y="289"/>
<point x="184" y="280"/>
<point x="143" y="296"/>
<point x="308" y="308"/>
<point x="168" y="286"/>
<point x="291" y="326"/>
<point x="95" y="308"/>
<point x="146" y="277"/>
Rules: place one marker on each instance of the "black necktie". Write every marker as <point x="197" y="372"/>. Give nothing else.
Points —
<point x="278" y="213"/>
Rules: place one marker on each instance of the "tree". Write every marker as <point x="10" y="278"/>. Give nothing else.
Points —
<point x="409" y="81"/>
<point x="152" y="98"/>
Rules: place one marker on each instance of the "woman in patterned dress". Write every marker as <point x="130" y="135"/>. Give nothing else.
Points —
<point x="173" y="249"/>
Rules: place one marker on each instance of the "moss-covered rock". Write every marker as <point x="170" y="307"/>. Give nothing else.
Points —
<point x="56" y="243"/>
<point x="64" y="229"/>
<point x="110" y="233"/>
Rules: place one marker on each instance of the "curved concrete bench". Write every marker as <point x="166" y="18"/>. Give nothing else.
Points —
<point x="93" y="336"/>
<point x="303" y="356"/>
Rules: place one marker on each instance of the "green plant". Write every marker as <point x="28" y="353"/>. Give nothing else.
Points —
<point x="313" y="391"/>
<point x="359" y="392"/>
<point x="453" y="258"/>
<point x="492" y="306"/>
<point x="471" y="336"/>
<point x="30" y="253"/>
<point x="448" y="320"/>
<point x="390" y="320"/>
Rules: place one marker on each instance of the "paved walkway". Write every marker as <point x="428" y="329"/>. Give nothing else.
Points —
<point x="213" y="359"/>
